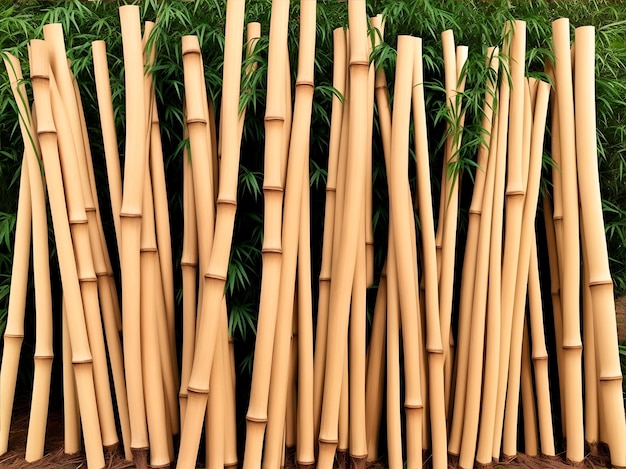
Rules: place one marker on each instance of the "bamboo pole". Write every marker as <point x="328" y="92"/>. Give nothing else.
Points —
<point x="514" y="208"/>
<point x="570" y="289"/>
<point x="14" y="331"/>
<point x="337" y="128"/>
<point x="470" y="260"/>
<point x="214" y="423"/>
<point x="215" y="275"/>
<point x="531" y="442"/>
<point x="600" y="282"/>
<point x="343" y="440"/>
<point x="540" y="356"/>
<point x="271" y="278"/>
<point x="434" y="346"/>
<point x="81" y="356"/>
<point x="71" y="414"/>
<point x="292" y="391"/>
<point x="400" y="207"/>
<point x="486" y="282"/>
<point x="346" y="258"/>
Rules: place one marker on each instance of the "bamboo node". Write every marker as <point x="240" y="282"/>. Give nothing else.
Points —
<point x="148" y="249"/>
<point x="210" y="275"/>
<point x="413" y="406"/>
<point x="196" y="120"/>
<point x="269" y="188"/>
<point x="611" y="378"/>
<point x="308" y="83"/>
<point x="197" y="390"/>
<point x="274" y="118"/>
<point x="253" y="419"/>
<point x="83" y="361"/>
<point x="47" y="356"/>
<point x="102" y="274"/>
<point x="434" y="350"/>
<point x="188" y="264"/>
<point x="226" y="201"/>
<point x="328" y="441"/>
<point x="572" y="347"/>
<point x="593" y="283"/>
<point x="13" y="336"/>
<point x="271" y="250"/>
<point x="130" y="215"/>
<point x="515" y="191"/>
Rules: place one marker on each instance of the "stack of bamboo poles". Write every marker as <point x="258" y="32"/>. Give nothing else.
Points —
<point x="320" y="397"/>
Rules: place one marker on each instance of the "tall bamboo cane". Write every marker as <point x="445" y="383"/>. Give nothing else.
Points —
<point x="275" y="120"/>
<point x="595" y="244"/>
<point x="400" y="207"/>
<point x="346" y="259"/>
<point x="540" y="356"/>
<point x="71" y="414"/>
<point x="319" y="358"/>
<point x="531" y="442"/>
<point x="514" y="209"/>
<point x="14" y="331"/>
<point x="215" y="276"/>
<point x="572" y="344"/>
<point x="469" y="262"/>
<point x="81" y="355"/>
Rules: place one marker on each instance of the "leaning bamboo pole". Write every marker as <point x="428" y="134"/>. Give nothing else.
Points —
<point x="130" y="226"/>
<point x="336" y="130"/>
<point x="540" y="356"/>
<point x="514" y="208"/>
<point x="531" y="436"/>
<point x="434" y="346"/>
<point x="570" y="288"/>
<point x="272" y="250"/>
<point x="346" y="257"/>
<point x="14" y="331"/>
<point x="71" y="414"/>
<point x="215" y="275"/>
<point x="400" y="209"/>
<point x="600" y="281"/>
<point x="81" y="355"/>
<point x="470" y="259"/>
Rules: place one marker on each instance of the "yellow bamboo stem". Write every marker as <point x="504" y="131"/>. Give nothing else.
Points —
<point x="215" y="275"/>
<point x="81" y="356"/>
<point x="600" y="283"/>
<point x="570" y="289"/>
<point x="531" y="442"/>
<point x="71" y="414"/>
<point x="214" y="430"/>
<point x="292" y="392"/>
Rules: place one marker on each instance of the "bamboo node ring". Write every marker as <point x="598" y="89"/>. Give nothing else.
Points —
<point x="196" y="120"/>
<point x="611" y="378"/>
<point x="130" y="215"/>
<point x="272" y="188"/>
<point x="572" y="347"/>
<point x="274" y="118"/>
<point x="188" y="264"/>
<point x="305" y="83"/>
<point x="271" y="251"/>
<point x="250" y="418"/>
<point x="226" y="202"/>
<point x="512" y="192"/>
<point x="328" y="441"/>
<point x="324" y="278"/>
<point x="593" y="283"/>
<point x="210" y="275"/>
<point x="148" y="249"/>
<point x="413" y="406"/>
<point x="13" y="336"/>
<point x="84" y="361"/>
<point x="197" y="390"/>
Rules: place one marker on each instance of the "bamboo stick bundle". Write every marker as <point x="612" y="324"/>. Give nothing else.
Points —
<point x="570" y="288"/>
<point x="189" y="268"/>
<point x="470" y="259"/>
<point x="540" y="355"/>
<point x="346" y="258"/>
<point x="273" y="190"/>
<point x="81" y="355"/>
<point x="486" y="276"/>
<point x="14" y="331"/>
<point x="79" y="227"/>
<point x="291" y="223"/>
<point x="130" y="224"/>
<point x="528" y="227"/>
<point x="400" y="206"/>
<point x="151" y="364"/>
<point x="214" y="277"/>
<point x="514" y="207"/>
<point x="331" y="207"/>
<point x="600" y="282"/>
<point x="43" y="302"/>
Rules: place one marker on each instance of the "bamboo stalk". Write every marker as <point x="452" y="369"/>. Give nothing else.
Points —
<point x="470" y="260"/>
<point x="230" y="417"/>
<point x="14" y="331"/>
<point x="271" y="276"/>
<point x="346" y="258"/>
<point x="514" y="208"/>
<point x="214" y="426"/>
<point x="531" y="443"/>
<point x="572" y="344"/>
<point x="331" y="208"/>
<point x="71" y="414"/>
<point x="81" y="356"/>
<point x="292" y="391"/>
<point x="540" y="356"/>
<point x="600" y="282"/>
<point x="215" y="275"/>
<point x="343" y="441"/>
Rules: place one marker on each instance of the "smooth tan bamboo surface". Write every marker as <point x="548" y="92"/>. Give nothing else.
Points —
<point x="215" y="276"/>
<point x="43" y="301"/>
<point x="570" y="287"/>
<point x="369" y="226"/>
<point x="514" y="208"/>
<point x="497" y="151"/>
<point x="531" y="436"/>
<point x="214" y="420"/>
<point x="509" y="447"/>
<point x="290" y="432"/>
<point x="540" y="356"/>
<point x="470" y="258"/>
<point x="595" y="245"/>
<point x="189" y="268"/>
<point x="109" y="136"/>
<point x="343" y="443"/>
<point x="14" y="331"/>
<point x="71" y="414"/>
<point x="319" y="358"/>
<point x="79" y="228"/>
<point x="433" y="329"/>
<point x="486" y="276"/>
<point x="230" y="417"/>
<point x="271" y="276"/>
<point x="346" y="257"/>
<point x="130" y="224"/>
<point x="400" y="207"/>
<point x="81" y="356"/>
<point x="297" y="168"/>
